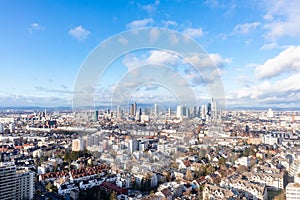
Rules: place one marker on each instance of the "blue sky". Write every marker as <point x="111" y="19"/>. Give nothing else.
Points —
<point x="44" y="43"/>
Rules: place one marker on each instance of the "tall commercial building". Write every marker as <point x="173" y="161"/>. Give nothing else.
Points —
<point x="138" y="114"/>
<point x="131" y="110"/>
<point x="214" y="110"/>
<point x="7" y="181"/>
<point x="134" y="108"/>
<point x="208" y="110"/>
<point x="179" y="111"/>
<point x="119" y="112"/>
<point x="184" y="112"/>
<point x="96" y="114"/>
<point x="203" y="112"/>
<point x="270" y="113"/>
<point x="169" y="111"/>
<point x="155" y="110"/>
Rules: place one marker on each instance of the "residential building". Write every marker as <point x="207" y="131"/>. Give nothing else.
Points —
<point x="216" y="192"/>
<point x="77" y="145"/>
<point x="293" y="191"/>
<point x="24" y="184"/>
<point x="7" y="180"/>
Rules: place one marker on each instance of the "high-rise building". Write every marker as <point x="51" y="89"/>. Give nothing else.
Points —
<point x="179" y="111"/>
<point x="24" y="184"/>
<point x="184" y="112"/>
<point x="1" y="128"/>
<point x="194" y="111"/>
<point x="131" y="110"/>
<point x="188" y="112"/>
<point x="155" y="110"/>
<point x="203" y="112"/>
<point x="270" y="113"/>
<point x="96" y="114"/>
<point x="214" y="111"/>
<point x="15" y="184"/>
<point x="169" y="111"/>
<point x="134" y="108"/>
<point x="293" y="191"/>
<point x="119" y="112"/>
<point x="7" y="181"/>
<point x="138" y="115"/>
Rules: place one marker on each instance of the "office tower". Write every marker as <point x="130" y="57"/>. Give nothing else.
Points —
<point x="203" y="112"/>
<point x="138" y="115"/>
<point x="96" y="114"/>
<point x="194" y="111"/>
<point x="134" y="108"/>
<point x="184" y="111"/>
<point x="214" y="111"/>
<point x="1" y="128"/>
<point x="270" y="113"/>
<point x="208" y="110"/>
<point x="155" y="110"/>
<point x="179" y="111"/>
<point x="7" y="181"/>
<point x="119" y="112"/>
<point x="188" y="112"/>
<point x="198" y="112"/>
<point x="169" y="111"/>
<point x="131" y="110"/>
<point x="25" y="184"/>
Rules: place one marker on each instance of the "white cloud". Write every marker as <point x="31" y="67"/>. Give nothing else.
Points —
<point x="282" y="19"/>
<point x="193" y="32"/>
<point x="212" y="3"/>
<point x="169" y="23"/>
<point x="36" y="27"/>
<point x="245" y="28"/>
<point x="79" y="33"/>
<point x="132" y="61"/>
<point x="209" y="60"/>
<point x="272" y="45"/>
<point x="287" y="60"/>
<point x="151" y="8"/>
<point x="218" y="60"/>
<point x="276" y="92"/>
<point x="140" y="23"/>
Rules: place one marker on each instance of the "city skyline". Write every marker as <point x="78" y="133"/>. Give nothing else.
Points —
<point x="254" y="44"/>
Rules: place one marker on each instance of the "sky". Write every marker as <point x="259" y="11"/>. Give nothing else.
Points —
<point x="255" y="45"/>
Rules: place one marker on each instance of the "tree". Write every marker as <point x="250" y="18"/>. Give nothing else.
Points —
<point x="246" y="152"/>
<point x="113" y="196"/>
<point x="209" y="169"/>
<point x="221" y="162"/>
